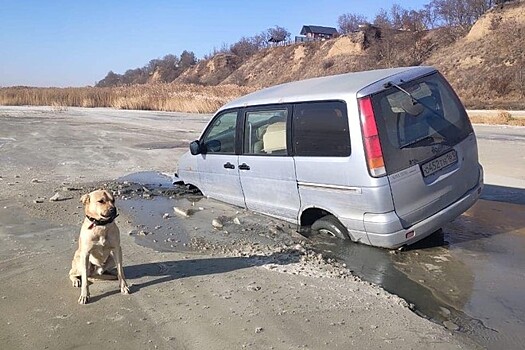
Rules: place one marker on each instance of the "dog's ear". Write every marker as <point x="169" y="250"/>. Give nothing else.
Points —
<point x="84" y="199"/>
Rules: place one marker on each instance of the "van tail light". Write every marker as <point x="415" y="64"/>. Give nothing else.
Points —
<point x="374" y="153"/>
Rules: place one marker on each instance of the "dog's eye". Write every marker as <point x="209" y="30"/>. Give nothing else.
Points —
<point x="101" y="201"/>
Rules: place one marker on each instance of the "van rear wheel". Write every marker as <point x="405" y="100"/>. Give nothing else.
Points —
<point x="331" y="226"/>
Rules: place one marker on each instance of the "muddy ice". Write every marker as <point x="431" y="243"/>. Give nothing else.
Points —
<point x="167" y="217"/>
<point x="435" y="276"/>
<point x="223" y="278"/>
<point x="253" y="282"/>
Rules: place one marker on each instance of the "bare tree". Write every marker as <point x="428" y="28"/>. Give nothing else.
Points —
<point x="223" y="49"/>
<point x="111" y="79"/>
<point x="397" y="14"/>
<point x="278" y="34"/>
<point x="349" y="22"/>
<point x="403" y="19"/>
<point x="461" y="13"/>
<point x="187" y="59"/>
<point x="382" y="20"/>
<point x="244" y="48"/>
<point x="429" y="16"/>
<point x="169" y="68"/>
<point x="261" y="40"/>
<point x="248" y="46"/>
<point x="152" y="65"/>
<point x="134" y="76"/>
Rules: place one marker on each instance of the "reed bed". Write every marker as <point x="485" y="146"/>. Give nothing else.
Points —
<point x="500" y="118"/>
<point x="161" y="97"/>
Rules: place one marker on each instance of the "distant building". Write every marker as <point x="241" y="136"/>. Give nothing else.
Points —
<point x="313" y="33"/>
<point x="318" y="32"/>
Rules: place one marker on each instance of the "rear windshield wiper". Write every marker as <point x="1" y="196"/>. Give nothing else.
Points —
<point x="414" y="100"/>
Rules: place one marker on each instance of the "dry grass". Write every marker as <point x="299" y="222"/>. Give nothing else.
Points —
<point x="73" y="97"/>
<point x="487" y="68"/>
<point x="501" y="118"/>
<point x="160" y="97"/>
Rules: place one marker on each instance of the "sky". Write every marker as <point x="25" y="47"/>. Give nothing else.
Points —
<point x="65" y="43"/>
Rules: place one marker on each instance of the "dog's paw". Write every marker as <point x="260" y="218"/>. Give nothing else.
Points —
<point x="77" y="283"/>
<point x="83" y="299"/>
<point x="124" y="290"/>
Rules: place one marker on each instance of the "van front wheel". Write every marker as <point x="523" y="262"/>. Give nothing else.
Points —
<point x="331" y="226"/>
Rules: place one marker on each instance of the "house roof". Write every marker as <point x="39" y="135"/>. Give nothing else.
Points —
<point x="333" y="87"/>
<point x="318" y="30"/>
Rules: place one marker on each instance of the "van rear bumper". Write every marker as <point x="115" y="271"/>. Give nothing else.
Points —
<point x="385" y="230"/>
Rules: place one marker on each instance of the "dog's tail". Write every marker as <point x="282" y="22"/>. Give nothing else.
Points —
<point x="101" y="275"/>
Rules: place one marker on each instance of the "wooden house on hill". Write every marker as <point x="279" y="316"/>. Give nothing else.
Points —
<point x="314" y="33"/>
<point x="318" y="32"/>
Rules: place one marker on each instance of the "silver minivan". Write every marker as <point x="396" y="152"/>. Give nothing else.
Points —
<point x="383" y="157"/>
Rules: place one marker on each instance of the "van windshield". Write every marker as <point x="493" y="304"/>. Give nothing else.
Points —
<point x="418" y="120"/>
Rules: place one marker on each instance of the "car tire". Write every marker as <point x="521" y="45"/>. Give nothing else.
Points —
<point x="331" y="226"/>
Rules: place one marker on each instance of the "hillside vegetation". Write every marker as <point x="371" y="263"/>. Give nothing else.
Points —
<point x="486" y="66"/>
<point x="484" y="62"/>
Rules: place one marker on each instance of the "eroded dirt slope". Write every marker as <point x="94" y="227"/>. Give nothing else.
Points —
<point x="486" y="65"/>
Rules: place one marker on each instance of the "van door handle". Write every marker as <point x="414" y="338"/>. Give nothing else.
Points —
<point x="244" y="166"/>
<point x="229" y="166"/>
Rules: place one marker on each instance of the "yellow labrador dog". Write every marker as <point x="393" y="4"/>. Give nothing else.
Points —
<point x="98" y="245"/>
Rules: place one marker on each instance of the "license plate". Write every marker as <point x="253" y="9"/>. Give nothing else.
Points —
<point x="439" y="163"/>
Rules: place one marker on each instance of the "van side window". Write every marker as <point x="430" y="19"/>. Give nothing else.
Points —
<point x="265" y="132"/>
<point x="220" y="136"/>
<point x="321" y="129"/>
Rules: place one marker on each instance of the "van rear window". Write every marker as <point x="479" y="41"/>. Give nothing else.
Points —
<point x="419" y="120"/>
<point x="321" y="129"/>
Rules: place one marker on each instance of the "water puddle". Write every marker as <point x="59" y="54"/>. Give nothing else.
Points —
<point x="149" y="178"/>
<point x="155" y="231"/>
<point x="468" y="277"/>
<point x="504" y="194"/>
<point x="158" y="229"/>
<point x="423" y="291"/>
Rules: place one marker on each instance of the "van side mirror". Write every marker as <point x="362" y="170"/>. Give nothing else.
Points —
<point x="195" y="148"/>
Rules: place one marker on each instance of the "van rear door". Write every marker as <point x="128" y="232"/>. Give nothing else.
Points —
<point x="428" y="144"/>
